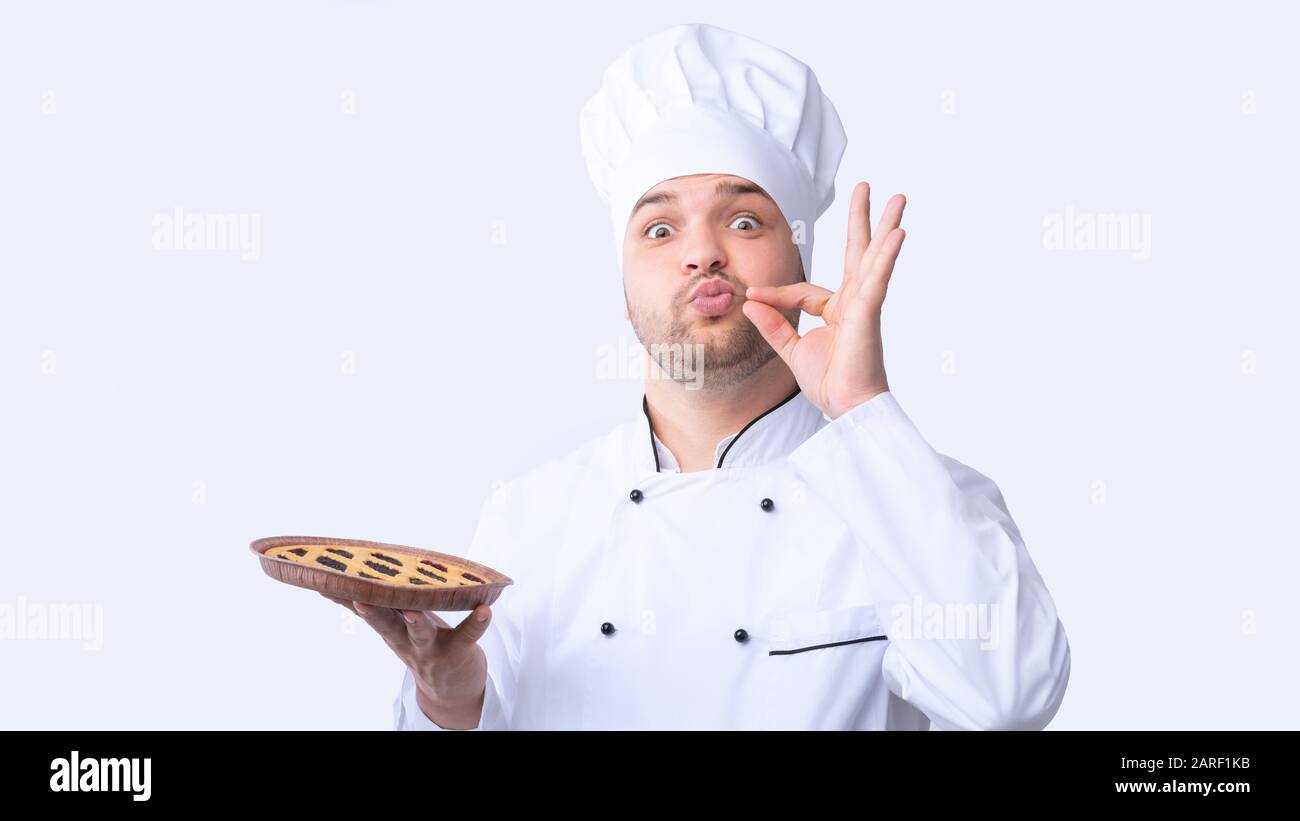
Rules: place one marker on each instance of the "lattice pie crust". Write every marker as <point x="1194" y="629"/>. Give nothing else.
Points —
<point x="387" y="566"/>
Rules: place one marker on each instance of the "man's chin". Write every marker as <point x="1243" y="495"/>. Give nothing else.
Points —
<point x="725" y="336"/>
<point x="714" y="333"/>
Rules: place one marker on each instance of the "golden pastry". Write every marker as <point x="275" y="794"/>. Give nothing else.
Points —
<point x="388" y="566"/>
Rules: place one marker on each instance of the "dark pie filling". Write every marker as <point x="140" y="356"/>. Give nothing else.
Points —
<point x="382" y="565"/>
<point x="333" y="563"/>
<point x="431" y="574"/>
<point x="382" y="568"/>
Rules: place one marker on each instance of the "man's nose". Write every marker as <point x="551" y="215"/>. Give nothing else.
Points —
<point x="703" y="254"/>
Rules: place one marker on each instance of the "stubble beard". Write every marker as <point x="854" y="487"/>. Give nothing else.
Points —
<point x="693" y="349"/>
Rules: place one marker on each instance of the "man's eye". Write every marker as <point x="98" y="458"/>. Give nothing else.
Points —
<point x="753" y="223"/>
<point x="652" y="234"/>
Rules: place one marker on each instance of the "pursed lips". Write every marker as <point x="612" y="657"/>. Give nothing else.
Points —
<point x="713" y="297"/>
<point x="712" y="287"/>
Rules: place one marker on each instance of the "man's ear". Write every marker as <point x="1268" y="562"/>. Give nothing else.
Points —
<point x="627" y="314"/>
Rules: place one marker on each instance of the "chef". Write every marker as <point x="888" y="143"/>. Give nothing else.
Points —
<point x="767" y="542"/>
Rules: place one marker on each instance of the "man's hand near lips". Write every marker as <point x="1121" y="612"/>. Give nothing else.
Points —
<point x="450" y="668"/>
<point x="841" y="365"/>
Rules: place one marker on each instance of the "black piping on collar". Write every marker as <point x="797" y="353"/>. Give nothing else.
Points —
<point x="645" y="408"/>
<point x="751" y="424"/>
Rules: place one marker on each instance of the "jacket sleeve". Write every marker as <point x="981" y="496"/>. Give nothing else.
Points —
<point x="490" y="546"/>
<point x="935" y="536"/>
<point x="407" y="714"/>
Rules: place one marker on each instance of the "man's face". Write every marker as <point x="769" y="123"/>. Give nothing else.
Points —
<point x="715" y="230"/>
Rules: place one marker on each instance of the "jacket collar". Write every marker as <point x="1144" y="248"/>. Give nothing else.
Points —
<point x="772" y="435"/>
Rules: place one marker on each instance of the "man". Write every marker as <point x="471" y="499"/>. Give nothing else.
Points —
<point x="769" y="542"/>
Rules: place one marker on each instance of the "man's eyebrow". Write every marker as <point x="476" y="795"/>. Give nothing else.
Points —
<point x="725" y="188"/>
<point x="735" y="189"/>
<point x="666" y="197"/>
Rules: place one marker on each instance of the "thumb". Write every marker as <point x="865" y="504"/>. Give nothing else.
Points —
<point x="471" y="629"/>
<point x="774" y="327"/>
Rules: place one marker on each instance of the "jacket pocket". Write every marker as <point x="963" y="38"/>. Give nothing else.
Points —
<point x="808" y="631"/>
<point x="821" y="670"/>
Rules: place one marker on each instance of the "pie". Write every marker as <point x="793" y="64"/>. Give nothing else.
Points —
<point x="387" y="575"/>
<point x="387" y="566"/>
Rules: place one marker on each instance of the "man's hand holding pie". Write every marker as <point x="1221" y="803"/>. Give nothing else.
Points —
<point x="450" y="668"/>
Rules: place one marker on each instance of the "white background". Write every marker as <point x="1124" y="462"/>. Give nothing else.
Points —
<point x="161" y="409"/>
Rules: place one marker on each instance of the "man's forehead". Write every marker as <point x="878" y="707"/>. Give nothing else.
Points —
<point x="718" y="185"/>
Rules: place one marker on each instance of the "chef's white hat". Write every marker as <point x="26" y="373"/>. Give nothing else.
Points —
<point x="698" y="99"/>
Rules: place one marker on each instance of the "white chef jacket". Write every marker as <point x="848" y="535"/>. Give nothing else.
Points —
<point x="794" y="586"/>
